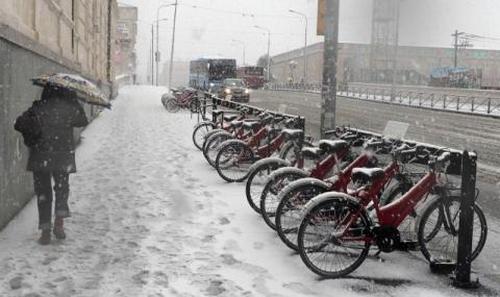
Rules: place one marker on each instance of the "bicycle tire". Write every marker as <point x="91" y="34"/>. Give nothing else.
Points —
<point x="436" y="208"/>
<point x="252" y="191"/>
<point x="290" y="208"/>
<point x="233" y="161"/>
<point x="199" y="134"/>
<point x="269" y="198"/>
<point x="213" y="146"/>
<point x="171" y="105"/>
<point x="330" y="211"/>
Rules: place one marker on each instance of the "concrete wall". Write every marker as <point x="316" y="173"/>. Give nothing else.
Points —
<point x="77" y="33"/>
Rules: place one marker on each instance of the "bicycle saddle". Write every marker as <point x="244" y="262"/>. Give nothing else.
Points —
<point x="229" y="118"/>
<point x="236" y="124"/>
<point x="292" y="134"/>
<point x="333" y="146"/>
<point x="367" y="174"/>
<point x="251" y="125"/>
<point x="312" y="152"/>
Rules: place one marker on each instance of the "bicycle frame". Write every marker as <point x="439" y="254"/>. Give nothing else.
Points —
<point x="324" y="166"/>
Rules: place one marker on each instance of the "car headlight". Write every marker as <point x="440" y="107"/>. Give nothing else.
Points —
<point x="247" y="91"/>
<point x="228" y="91"/>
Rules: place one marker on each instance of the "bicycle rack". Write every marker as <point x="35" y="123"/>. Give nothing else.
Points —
<point x="462" y="163"/>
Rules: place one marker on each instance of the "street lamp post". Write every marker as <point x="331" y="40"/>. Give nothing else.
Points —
<point x="173" y="46"/>
<point x="243" y="44"/>
<point x="305" y="44"/>
<point x="268" y="50"/>
<point x="157" y="54"/>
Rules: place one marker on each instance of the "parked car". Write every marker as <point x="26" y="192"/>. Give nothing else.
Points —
<point x="234" y="89"/>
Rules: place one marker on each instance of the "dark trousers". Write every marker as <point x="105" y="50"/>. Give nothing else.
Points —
<point x="43" y="191"/>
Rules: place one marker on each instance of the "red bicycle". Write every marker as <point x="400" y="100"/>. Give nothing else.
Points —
<point x="337" y="230"/>
<point x="298" y="193"/>
<point x="235" y="157"/>
<point x="185" y="98"/>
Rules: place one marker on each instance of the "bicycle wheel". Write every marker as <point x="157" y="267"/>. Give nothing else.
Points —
<point x="438" y="236"/>
<point x="290" y="209"/>
<point x="171" y="105"/>
<point x="213" y="146"/>
<point x="234" y="160"/>
<point x="256" y="181"/>
<point x="269" y="199"/>
<point x="200" y="132"/>
<point x="330" y="244"/>
<point x="209" y="134"/>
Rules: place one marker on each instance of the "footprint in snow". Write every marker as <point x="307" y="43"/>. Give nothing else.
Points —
<point x="215" y="288"/>
<point x="224" y="221"/>
<point x="141" y="278"/>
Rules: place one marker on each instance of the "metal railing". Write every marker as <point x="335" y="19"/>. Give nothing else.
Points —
<point x="454" y="100"/>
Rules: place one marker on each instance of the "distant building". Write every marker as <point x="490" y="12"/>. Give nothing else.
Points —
<point x="43" y="36"/>
<point x="414" y="64"/>
<point x="125" y="57"/>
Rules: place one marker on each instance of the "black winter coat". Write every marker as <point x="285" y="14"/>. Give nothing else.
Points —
<point x="55" y="148"/>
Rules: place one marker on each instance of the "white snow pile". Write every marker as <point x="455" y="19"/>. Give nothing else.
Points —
<point x="151" y="218"/>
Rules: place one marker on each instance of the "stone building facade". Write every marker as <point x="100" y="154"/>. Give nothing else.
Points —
<point x="43" y="36"/>
<point x="124" y="58"/>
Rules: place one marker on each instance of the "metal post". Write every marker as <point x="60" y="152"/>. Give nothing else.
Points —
<point x="268" y="56"/>
<point x="157" y="55"/>
<point x="463" y="269"/>
<point x="396" y="51"/>
<point x="171" y="68"/>
<point x="152" y="54"/>
<point x="329" y="88"/>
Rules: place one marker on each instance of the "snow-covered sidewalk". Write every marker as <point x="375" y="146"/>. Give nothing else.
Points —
<point x="151" y="218"/>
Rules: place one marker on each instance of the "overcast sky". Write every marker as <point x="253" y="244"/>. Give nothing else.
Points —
<point x="207" y="27"/>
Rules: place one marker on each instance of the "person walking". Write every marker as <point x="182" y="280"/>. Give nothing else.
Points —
<point x="47" y="128"/>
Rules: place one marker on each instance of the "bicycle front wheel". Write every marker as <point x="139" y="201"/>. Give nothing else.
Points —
<point x="257" y="181"/>
<point x="332" y="240"/>
<point x="233" y="161"/>
<point x="171" y="105"/>
<point x="290" y="209"/>
<point x="200" y="133"/>
<point x="269" y="200"/>
<point x="439" y="227"/>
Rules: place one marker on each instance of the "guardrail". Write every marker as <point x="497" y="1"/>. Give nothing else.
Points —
<point x="470" y="102"/>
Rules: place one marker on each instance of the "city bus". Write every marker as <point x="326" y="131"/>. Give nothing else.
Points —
<point x="209" y="74"/>
<point x="253" y="76"/>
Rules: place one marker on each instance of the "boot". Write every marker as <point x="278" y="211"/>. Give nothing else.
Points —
<point x="59" y="228"/>
<point x="45" y="238"/>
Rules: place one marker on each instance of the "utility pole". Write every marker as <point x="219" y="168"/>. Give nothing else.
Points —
<point x="456" y="48"/>
<point x="152" y="53"/>
<point x="171" y="68"/>
<point x="304" y="77"/>
<point x="268" y="51"/>
<point x="396" y="52"/>
<point x="329" y="87"/>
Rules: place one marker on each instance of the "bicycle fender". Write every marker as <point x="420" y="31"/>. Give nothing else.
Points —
<point x="232" y="141"/>
<point x="307" y="181"/>
<point x="270" y="160"/>
<point x="204" y="123"/>
<point x="285" y="170"/>
<point x="327" y="197"/>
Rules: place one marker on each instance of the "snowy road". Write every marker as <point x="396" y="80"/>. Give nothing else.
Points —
<point x="150" y="218"/>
